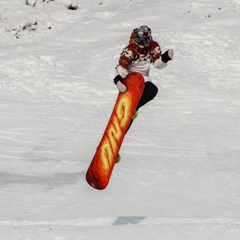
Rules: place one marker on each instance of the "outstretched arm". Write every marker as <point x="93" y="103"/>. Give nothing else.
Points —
<point x="122" y="69"/>
<point x="161" y="62"/>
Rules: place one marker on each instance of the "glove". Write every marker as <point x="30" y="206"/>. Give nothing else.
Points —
<point x="118" y="80"/>
<point x="167" y="56"/>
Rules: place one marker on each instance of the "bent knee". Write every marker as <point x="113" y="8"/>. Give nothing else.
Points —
<point x="151" y="89"/>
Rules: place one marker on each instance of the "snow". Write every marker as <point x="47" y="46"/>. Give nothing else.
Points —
<point x="179" y="177"/>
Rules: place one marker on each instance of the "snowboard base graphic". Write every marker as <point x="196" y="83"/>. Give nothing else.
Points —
<point x="101" y="167"/>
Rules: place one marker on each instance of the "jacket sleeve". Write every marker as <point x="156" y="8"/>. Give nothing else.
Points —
<point x="159" y="64"/>
<point x="155" y="51"/>
<point x="125" y="61"/>
<point x="156" y="59"/>
<point x="126" y="58"/>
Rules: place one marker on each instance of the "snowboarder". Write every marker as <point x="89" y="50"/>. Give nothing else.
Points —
<point x="141" y="52"/>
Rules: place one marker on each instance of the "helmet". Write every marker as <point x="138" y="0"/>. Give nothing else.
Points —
<point x="143" y="35"/>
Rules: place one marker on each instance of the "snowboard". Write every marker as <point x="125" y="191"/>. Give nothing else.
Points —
<point x="102" y="164"/>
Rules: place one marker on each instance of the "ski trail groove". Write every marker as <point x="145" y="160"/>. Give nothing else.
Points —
<point x="124" y="220"/>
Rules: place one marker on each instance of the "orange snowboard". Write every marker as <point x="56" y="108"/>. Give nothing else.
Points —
<point x="100" y="169"/>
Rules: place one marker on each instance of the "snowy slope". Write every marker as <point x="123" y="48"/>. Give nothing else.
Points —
<point x="179" y="177"/>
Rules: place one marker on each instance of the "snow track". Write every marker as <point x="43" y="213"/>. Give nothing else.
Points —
<point x="125" y="227"/>
<point x="128" y="220"/>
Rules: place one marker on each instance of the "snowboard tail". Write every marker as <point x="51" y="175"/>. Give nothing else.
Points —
<point x="101" y="167"/>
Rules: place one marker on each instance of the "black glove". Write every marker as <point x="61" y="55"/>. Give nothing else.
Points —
<point x="118" y="80"/>
<point x="167" y="56"/>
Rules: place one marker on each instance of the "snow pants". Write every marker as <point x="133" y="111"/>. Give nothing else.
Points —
<point x="149" y="93"/>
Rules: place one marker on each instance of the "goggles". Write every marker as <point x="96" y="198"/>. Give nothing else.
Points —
<point x="143" y="41"/>
<point x="143" y="36"/>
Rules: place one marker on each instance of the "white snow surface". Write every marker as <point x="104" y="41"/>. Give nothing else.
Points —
<point x="179" y="177"/>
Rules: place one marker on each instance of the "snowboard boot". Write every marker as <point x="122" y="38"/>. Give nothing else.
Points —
<point x="135" y="114"/>
<point x="118" y="158"/>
